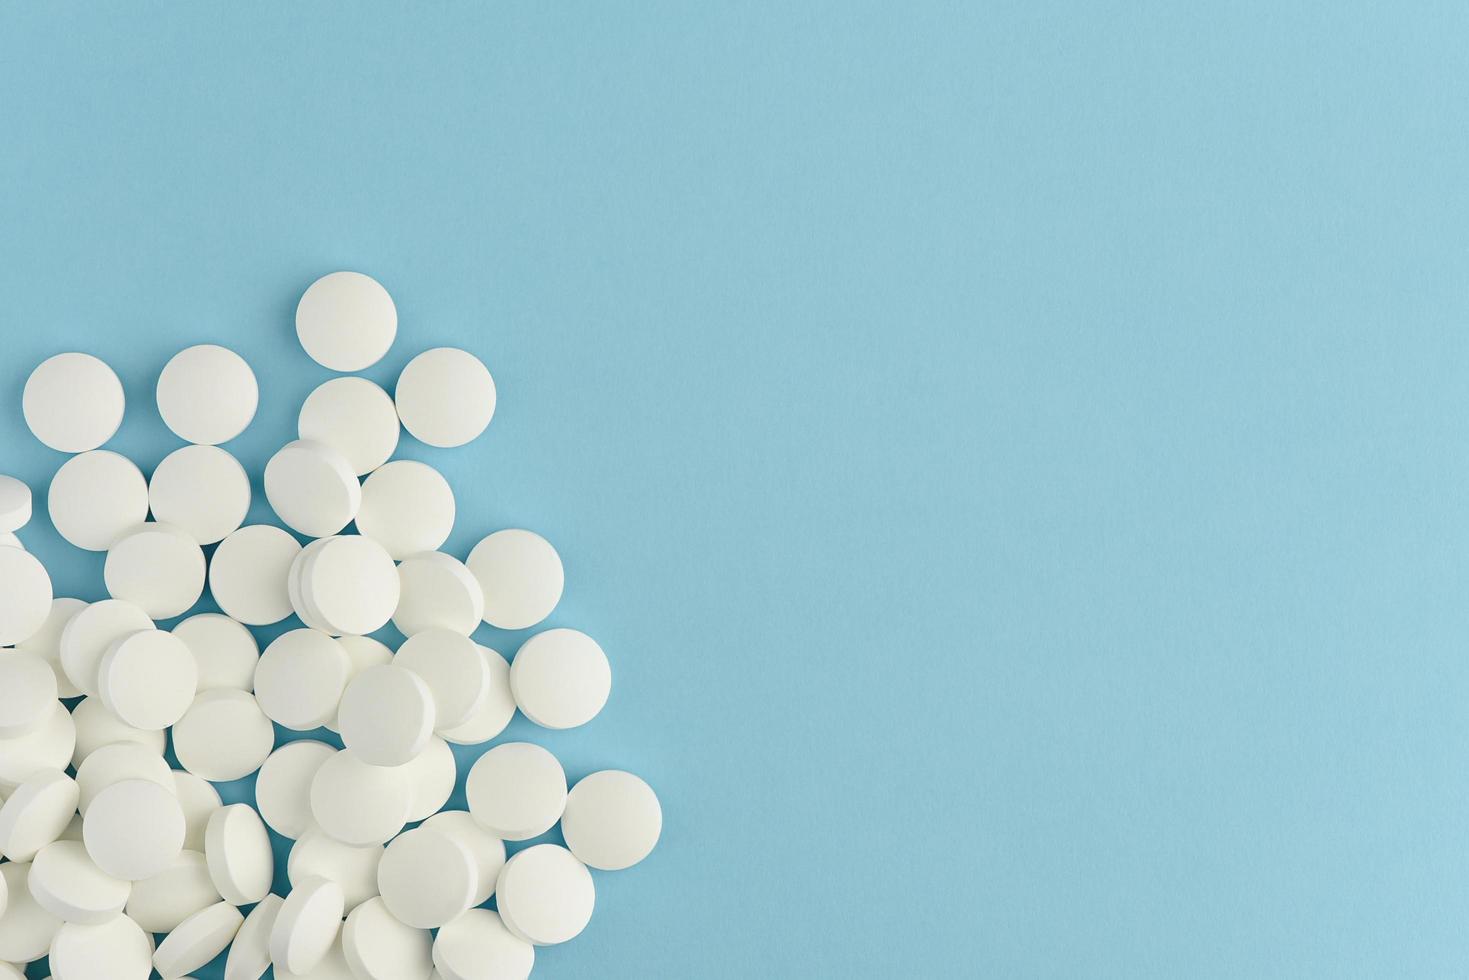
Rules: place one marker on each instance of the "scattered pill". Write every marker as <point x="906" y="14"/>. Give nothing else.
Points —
<point x="612" y="820"/>
<point x="516" y="790"/>
<point x="73" y="402"/>
<point x="477" y="946"/>
<point x="545" y="894"/>
<point x="560" y="678"/>
<point x="148" y="679"/>
<point x="202" y="490"/>
<point x="247" y="575"/>
<point x="356" y="418"/>
<point x="95" y="497"/>
<point x="346" y="321"/>
<point x="15" y="503"/>
<point x="238" y="851"/>
<point x="491" y="717"/>
<point x="306" y="925"/>
<point x="116" y="949"/>
<point x="445" y="397"/>
<point x="45" y="642"/>
<point x="224" y="735"/>
<point x="207" y="394"/>
<point x="282" y="790"/>
<point x="26" y="929"/>
<point x="521" y="576"/>
<point x="431" y="777"/>
<point x="96" y="727"/>
<point x="66" y="882"/>
<point x="197" y="940"/>
<point x="380" y="947"/>
<point x="91" y="632"/>
<point x="312" y="488"/>
<point x="350" y="584"/>
<point x="363" y="652"/>
<point x="437" y="591"/>
<point x="156" y="567"/>
<point x="407" y="507"/>
<point x="451" y="665"/>
<point x="225" y="652"/>
<point x="160" y="902"/>
<point x="112" y="764"/>
<point x="134" y="829"/>
<point x="487" y="849"/>
<point x="300" y="679"/>
<point x="354" y="868"/>
<point x="386" y="715"/>
<point x="250" y="952"/>
<point x="36" y="813"/>
<point x="358" y="803"/>
<point x="27" y="692"/>
<point x="427" y="878"/>
<point x="47" y="746"/>
<point x="25" y="595"/>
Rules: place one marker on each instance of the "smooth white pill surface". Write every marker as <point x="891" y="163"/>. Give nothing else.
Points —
<point x="350" y="582"/>
<point x="66" y="882"/>
<point x="15" y="502"/>
<point x="45" y="642"/>
<point x="431" y="776"/>
<point x="95" y="497"/>
<point x="358" y="803"/>
<point x="451" y="665"/>
<point x="380" y="947"/>
<point x="25" y="595"/>
<point x="300" y="679"/>
<point x="521" y="576"/>
<point x="363" y="652"/>
<point x="346" y="321"/>
<point x="354" y="417"/>
<point x="445" y="397"/>
<point x="116" y="762"/>
<point x="386" y="715"/>
<point x="306" y="925"/>
<point x="202" y="490"/>
<point x="516" y="790"/>
<point x="560" y="678"/>
<point x="250" y="952"/>
<point x="47" y="746"/>
<point x="90" y="632"/>
<point x="199" y="800"/>
<point x="427" y="878"/>
<point x="223" y="736"/>
<point x="148" y="679"/>
<point x="247" y="575"/>
<point x="36" y="813"/>
<point x="159" y="903"/>
<point x="96" y="727"/>
<point x="26" y="929"/>
<point x="117" y="949"/>
<point x="312" y="488"/>
<point x="283" y="788"/>
<point x="332" y="966"/>
<point x="238" y="851"/>
<point x="73" y="402"/>
<point x="197" y="940"/>
<point x="437" y="591"/>
<point x="134" y="829"/>
<point x="546" y="894"/>
<point x="354" y="868"/>
<point x="225" y="652"/>
<point x="157" y="568"/>
<point x="477" y="946"/>
<point x="495" y="712"/>
<point x="27" y="692"/>
<point x="612" y="820"/>
<point x="407" y="507"/>
<point x="487" y="850"/>
<point x="207" y="394"/>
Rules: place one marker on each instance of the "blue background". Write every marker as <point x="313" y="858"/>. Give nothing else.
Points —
<point x="1013" y="453"/>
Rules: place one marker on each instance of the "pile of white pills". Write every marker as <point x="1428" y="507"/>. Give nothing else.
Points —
<point x="115" y="864"/>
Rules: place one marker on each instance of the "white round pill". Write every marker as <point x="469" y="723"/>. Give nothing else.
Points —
<point x="223" y="736"/>
<point x="560" y="678"/>
<point x="612" y="820"/>
<point x="451" y="665"/>
<point x="346" y="321"/>
<point x="237" y="848"/>
<point x="354" y="868"/>
<point x="95" y="497"/>
<point x="197" y="940"/>
<point x="68" y="884"/>
<point x="351" y="583"/>
<point x="73" y="402"/>
<point x="159" y="903"/>
<point x="445" y="397"/>
<point x="312" y="488"/>
<point x="148" y="679"/>
<point x="25" y="595"/>
<point x="134" y="829"/>
<point x="283" y="788"/>
<point x="27" y="692"/>
<point x="491" y="717"/>
<point x="250" y="952"/>
<point x="225" y="652"/>
<point x="407" y="507"/>
<point x="364" y="652"/>
<point x="96" y="727"/>
<point x="516" y="790"/>
<point x="36" y="813"/>
<point x="427" y="878"/>
<point x="546" y="894"/>
<point x="46" y="642"/>
<point x="15" y="502"/>
<point x="356" y="418"/>
<point x="90" y="632"/>
<point x="521" y="576"/>
<point x="380" y="947"/>
<point x="26" y="929"/>
<point x="300" y="679"/>
<point x="306" y="925"/>
<point x="47" y="746"/>
<point x="157" y="568"/>
<point x="437" y="590"/>
<point x="117" y="949"/>
<point x="358" y="803"/>
<point x="431" y="776"/>
<point x="247" y="575"/>
<point x="386" y="715"/>
<point x="487" y="849"/>
<point x="199" y="800"/>
<point x="477" y="946"/>
<point x="207" y="394"/>
<point x="202" y="490"/>
<point x="113" y="763"/>
<point x="332" y="966"/>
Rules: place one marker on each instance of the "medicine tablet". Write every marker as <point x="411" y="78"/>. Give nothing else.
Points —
<point x="197" y="940"/>
<point x="332" y="966"/>
<point x="25" y="595"/>
<point x="225" y="652"/>
<point x="199" y="800"/>
<point x="363" y="652"/>
<point x="437" y="591"/>
<point x="386" y="715"/>
<point x="27" y="692"/>
<point x="37" y="813"/>
<point x="306" y="925"/>
<point x="350" y="582"/>
<point x="47" y="746"/>
<point x="66" y="882"/>
<point x="46" y="642"/>
<point x="90" y="632"/>
<point x="26" y="929"/>
<point x="238" y="851"/>
<point x="521" y="576"/>
<point x="96" y="727"/>
<point x="445" y="397"/>
<point x="116" y="949"/>
<point x="161" y="902"/>
<point x="427" y="878"/>
<point x="407" y="507"/>
<point x="560" y="678"/>
<point x="516" y="790"/>
<point x="157" y="568"/>
<point x="354" y="417"/>
<point x="380" y="947"/>
<point x="148" y="679"/>
<point x="134" y="829"/>
<point x="354" y="868"/>
<point x="73" y="402"/>
<point x="300" y="679"/>
<point x="546" y="894"/>
<point x="312" y="488"/>
<point x="116" y="762"/>
<point x="451" y="665"/>
<point x="282" y="790"/>
<point x="250" y="952"/>
<point x="15" y="501"/>
<point x="247" y="575"/>
<point x="477" y="946"/>
<point x="202" y="490"/>
<point x="358" y="803"/>
<point x="346" y="321"/>
<point x="491" y="717"/>
<point x="223" y="736"/>
<point x="612" y="820"/>
<point x="207" y="394"/>
<point x="95" y="497"/>
<point x="431" y="776"/>
<point x="487" y="850"/>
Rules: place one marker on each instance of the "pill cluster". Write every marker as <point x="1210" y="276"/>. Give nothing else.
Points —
<point x="117" y="864"/>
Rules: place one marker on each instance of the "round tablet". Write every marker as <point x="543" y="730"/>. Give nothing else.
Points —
<point x="437" y="591"/>
<point x="546" y="894"/>
<point x="27" y="692"/>
<point x="225" y="652"/>
<point x="521" y="576"/>
<point x="148" y="679"/>
<point x="207" y="394"/>
<point x="247" y="575"/>
<point x="36" y="813"/>
<point x="407" y="507"/>
<point x="386" y="715"/>
<point x="25" y="595"/>
<point x="66" y="882"/>
<point x="96" y="727"/>
<point x="282" y="790"/>
<point x="46" y="642"/>
<point x="223" y="736"/>
<point x="306" y="925"/>
<point x="427" y="878"/>
<point x="612" y="820"/>
<point x="346" y="321"/>
<point x="445" y="397"/>
<point x="112" y="764"/>
<point x="95" y="497"/>
<point x="451" y="665"/>
<point x="202" y="490"/>
<point x="487" y="850"/>
<point x="197" y="940"/>
<point x="199" y="800"/>
<point x="491" y="717"/>
<point x="134" y="829"/>
<point x="356" y="418"/>
<point x="560" y="678"/>
<point x="161" y="902"/>
<point x="300" y="679"/>
<point x="47" y="746"/>
<point x="351" y="582"/>
<point x="332" y="966"/>
<point x="312" y="488"/>
<point x="157" y="568"/>
<point x="431" y="777"/>
<point x="26" y="929"/>
<point x="15" y="500"/>
<point x="380" y="947"/>
<point x="250" y="952"/>
<point x="73" y="402"/>
<point x="516" y="791"/>
<point x="354" y="868"/>
<point x="90" y="632"/>
<point x="477" y="946"/>
<point x="358" y="803"/>
<point x="116" y="949"/>
<point x="364" y="652"/>
<point x="238" y="850"/>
